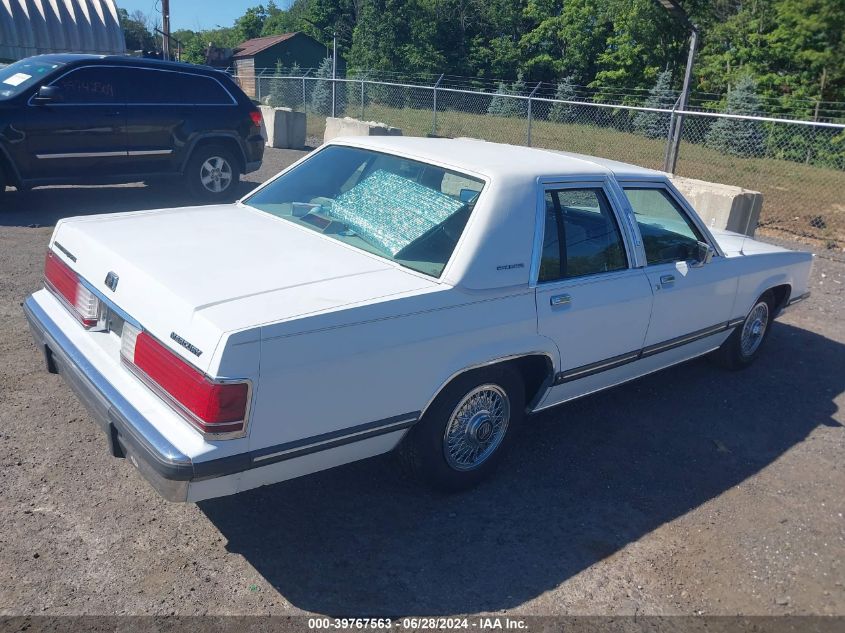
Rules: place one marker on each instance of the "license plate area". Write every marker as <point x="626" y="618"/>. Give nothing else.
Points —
<point x="112" y="322"/>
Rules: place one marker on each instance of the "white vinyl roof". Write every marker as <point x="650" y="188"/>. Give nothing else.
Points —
<point x="498" y="160"/>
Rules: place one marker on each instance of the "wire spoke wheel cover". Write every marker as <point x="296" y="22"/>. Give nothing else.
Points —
<point x="476" y="427"/>
<point x="216" y="174"/>
<point x="754" y="329"/>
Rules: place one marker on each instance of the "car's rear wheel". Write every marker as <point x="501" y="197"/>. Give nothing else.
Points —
<point x="467" y="429"/>
<point x="213" y="173"/>
<point x="743" y="346"/>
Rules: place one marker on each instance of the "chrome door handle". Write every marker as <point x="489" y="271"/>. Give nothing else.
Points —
<point x="560" y="300"/>
<point x="667" y="280"/>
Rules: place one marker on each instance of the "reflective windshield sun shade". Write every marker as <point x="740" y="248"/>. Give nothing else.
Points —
<point x="392" y="211"/>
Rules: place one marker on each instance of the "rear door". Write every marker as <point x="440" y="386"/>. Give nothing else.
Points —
<point x="691" y="302"/>
<point x="156" y="118"/>
<point x="83" y="135"/>
<point x="592" y="300"/>
<point x="166" y="109"/>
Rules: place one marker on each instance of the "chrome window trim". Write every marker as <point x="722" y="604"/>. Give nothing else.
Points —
<point x="603" y="182"/>
<point x="674" y="194"/>
<point x="125" y="102"/>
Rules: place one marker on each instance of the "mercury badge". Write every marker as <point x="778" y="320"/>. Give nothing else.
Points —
<point x="111" y="281"/>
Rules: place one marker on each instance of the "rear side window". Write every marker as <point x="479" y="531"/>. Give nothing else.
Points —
<point x="581" y="235"/>
<point x="152" y="86"/>
<point x="91" y="85"/>
<point x="203" y="91"/>
<point x="149" y="86"/>
<point x="668" y="233"/>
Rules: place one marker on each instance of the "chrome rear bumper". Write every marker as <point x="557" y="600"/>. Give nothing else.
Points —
<point x="128" y="432"/>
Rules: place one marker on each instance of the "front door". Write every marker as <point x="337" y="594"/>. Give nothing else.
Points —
<point x="590" y="299"/>
<point x="691" y="302"/>
<point x="82" y="134"/>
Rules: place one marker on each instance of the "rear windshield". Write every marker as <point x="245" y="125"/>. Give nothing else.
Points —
<point x="405" y="210"/>
<point x="17" y="77"/>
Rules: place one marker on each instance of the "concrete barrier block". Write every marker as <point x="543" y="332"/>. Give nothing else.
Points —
<point x="722" y="206"/>
<point x="282" y="127"/>
<point x="348" y="126"/>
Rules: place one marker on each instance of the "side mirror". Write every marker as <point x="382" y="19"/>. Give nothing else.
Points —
<point x="468" y="195"/>
<point x="704" y="254"/>
<point x="48" y="94"/>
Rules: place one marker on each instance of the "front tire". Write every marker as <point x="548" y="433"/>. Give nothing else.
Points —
<point x="466" y="431"/>
<point x="743" y="346"/>
<point x="212" y="174"/>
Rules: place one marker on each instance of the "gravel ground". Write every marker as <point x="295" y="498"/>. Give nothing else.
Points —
<point x="690" y="491"/>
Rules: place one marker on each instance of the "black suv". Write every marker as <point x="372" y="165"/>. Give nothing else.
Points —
<point x="74" y="119"/>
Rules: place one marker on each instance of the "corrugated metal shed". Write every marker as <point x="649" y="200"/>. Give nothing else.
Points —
<point x="33" y="27"/>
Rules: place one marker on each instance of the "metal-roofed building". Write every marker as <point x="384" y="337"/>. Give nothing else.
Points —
<point x="255" y="55"/>
<point x="33" y="27"/>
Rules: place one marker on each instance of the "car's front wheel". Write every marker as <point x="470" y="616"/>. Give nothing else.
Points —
<point x="212" y="174"/>
<point x="743" y="345"/>
<point x="467" y="429"/>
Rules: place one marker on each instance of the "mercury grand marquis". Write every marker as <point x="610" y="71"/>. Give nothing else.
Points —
<point x="408" y="294"/>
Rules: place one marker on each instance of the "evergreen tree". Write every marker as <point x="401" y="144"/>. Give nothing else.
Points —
<point x="564" y="112"/>
<point x="517" y="107"/>
<point x="285" y="93"/>
<point x="503" y="104"/>
<point x="321" y="97"/>
<point x="656" y="124"/>
<point x="737" y="136"/>
<point x="497" y="104"/>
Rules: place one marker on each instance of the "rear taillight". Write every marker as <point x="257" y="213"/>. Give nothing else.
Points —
<point x="255" y="115"/>
<point x="212" y="407"/>
<point x="66" y="285"/>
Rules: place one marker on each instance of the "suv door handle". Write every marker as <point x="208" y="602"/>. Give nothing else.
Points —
<point x="667" y="280"/>
<point x="560" y="300"/>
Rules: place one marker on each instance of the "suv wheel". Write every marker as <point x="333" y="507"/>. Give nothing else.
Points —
<point x="465" y="432"/>
<point x="212" y="173"/>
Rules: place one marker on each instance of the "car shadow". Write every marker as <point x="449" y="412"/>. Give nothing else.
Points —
<point x="581" y="482"/>
<point x="44" y="206"/>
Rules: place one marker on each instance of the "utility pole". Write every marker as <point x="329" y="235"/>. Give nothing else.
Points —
<point x="165" y="27"/>
<point x="334" y="72"/>
<point x="676" y="124"/>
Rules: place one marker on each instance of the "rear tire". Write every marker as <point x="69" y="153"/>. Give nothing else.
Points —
<point x="466" y="431"/>
<point x="743" y="346"/>
<point x="213" y="173"/>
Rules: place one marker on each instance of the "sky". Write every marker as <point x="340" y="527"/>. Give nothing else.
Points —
<point x="195" y="14"/>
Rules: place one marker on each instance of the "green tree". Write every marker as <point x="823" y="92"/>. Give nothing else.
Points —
<point x="135" y="31"/>
<point x="504" y="103"/>
<point x="321" y="95"/>
<point x="250" y="24"/>
<point x="286" y="93"/>
<point x="563" y="41"/>
<point x="564" y="112"/>
<point x="656" y="124"/>
<point x="737" y="136"/>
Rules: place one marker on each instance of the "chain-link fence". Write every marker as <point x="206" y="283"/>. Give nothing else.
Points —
<point x="799" y="166"/>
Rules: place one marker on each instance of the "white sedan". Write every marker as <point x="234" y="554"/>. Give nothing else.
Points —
<point x="415" y="294"/>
